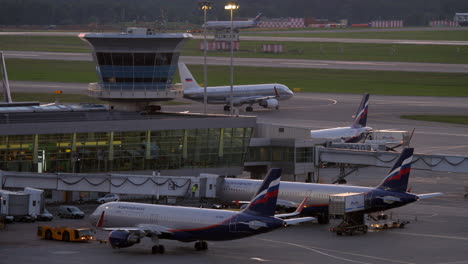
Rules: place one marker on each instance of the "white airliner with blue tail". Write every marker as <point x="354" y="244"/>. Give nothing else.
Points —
<point x="130" y="222"/>
<point x="356" y="132"/>
<point x="391" y="193"/>
<point x="266" y="95"/>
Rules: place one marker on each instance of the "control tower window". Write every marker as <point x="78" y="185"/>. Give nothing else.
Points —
<point x="135" y="59"/>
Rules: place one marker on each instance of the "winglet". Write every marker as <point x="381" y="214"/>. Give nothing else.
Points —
<point x="101" y="220"/>
<point x="298" y="210"/>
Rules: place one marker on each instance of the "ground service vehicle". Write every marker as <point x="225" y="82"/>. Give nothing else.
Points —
<point x="346" y="208"/>
<point x="64" y="233"/>
<point x="21" y="206"/>
<point x="108" y="198"/>
<point x="69" y="211"/>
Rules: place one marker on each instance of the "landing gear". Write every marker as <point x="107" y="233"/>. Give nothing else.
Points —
<point x="249" y="109"/>
<point x="158" y="249"/>
<point x="201" y="245"/>
<point x="323" y="219"/>
<point x="227" y="107"/>
<point x="277" y="107"/>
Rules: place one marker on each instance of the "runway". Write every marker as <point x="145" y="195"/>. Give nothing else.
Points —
<point x="248" y="36"/>
<point x="261" y="62"/>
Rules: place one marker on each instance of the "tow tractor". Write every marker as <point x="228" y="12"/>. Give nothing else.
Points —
<point x="65" y="233"/>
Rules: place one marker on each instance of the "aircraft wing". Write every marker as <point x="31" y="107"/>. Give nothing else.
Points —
<point x="298" y="210"/>
<point x="294" y="221"/>
<point x="428" y="195"/>
<point x="143" y="230"/>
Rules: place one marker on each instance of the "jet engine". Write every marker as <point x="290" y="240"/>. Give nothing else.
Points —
<point x="269" y="103"/>
<point x="122" y="239"/>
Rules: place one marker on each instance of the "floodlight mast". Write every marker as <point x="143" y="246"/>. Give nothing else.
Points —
<point x="231" y="7"/>
<point x="205" y="5"/>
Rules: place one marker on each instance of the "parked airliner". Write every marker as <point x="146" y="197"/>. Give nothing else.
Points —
<point x="355" y="133"/>
<point x="266" y="95"/>
<point x="236" y="25"/>
<point x="130" y="222"/>
<point x="391" y="193"/>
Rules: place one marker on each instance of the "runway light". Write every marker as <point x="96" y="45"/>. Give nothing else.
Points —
<point x="58" y="92"/>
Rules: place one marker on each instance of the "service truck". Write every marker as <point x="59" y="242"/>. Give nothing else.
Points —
<point x="345" y="211"/>
<point x="23" y="205"/>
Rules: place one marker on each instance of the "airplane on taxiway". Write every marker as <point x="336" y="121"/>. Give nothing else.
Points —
<point x="391" y="193"/>
<point x="236" y="25"/>
<point x="266" y="95"/>
<point x="356" y="132"/>
<point x="130" y="222"/>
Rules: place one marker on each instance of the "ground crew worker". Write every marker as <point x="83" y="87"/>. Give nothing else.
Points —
<point x="194" y="190"/>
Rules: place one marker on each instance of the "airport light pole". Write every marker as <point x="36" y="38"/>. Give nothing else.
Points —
<point x="231" y="7"/>
<point x="205" y="6"/>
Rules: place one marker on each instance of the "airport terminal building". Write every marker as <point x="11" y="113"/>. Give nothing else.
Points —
<point x="113" y="141"/>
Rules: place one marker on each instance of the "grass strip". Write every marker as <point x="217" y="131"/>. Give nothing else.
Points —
<point x="453" y="35"/>
<point x="293" y="50"/>
<point x="307" y="80"/>
<point x="463" y="120"/>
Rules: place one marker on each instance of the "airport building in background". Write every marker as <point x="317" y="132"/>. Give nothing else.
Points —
<point x="114" y="141"/>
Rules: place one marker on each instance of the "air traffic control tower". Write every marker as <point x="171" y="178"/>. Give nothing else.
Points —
<point x="136" y="68"/>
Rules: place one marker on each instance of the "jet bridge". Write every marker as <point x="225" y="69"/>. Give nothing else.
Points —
<point x="155" y="185"/>
<point x="359" y="158"/>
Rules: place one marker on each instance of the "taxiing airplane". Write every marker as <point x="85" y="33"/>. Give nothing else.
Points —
<point x="355" y="133"/>
<point x="266" y="95"/>
<point x="236" y="25"/>
<point x="391" y="193"/>
<point x="130" y="222"/>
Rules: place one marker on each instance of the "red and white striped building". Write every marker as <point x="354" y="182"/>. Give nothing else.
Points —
<point x="272" y="48"/>
<point x="443" y="23"/>
<point x="219" y="45"/>
<point x="387" y="23"/>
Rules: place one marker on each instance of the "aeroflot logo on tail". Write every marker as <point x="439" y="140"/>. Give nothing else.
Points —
<point x="188" y="80"/>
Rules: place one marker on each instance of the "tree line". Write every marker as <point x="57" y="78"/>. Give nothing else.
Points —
<point x="81" y="12"/>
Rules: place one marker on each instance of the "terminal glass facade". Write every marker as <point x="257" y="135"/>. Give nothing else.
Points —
<point x="125" y="151"/>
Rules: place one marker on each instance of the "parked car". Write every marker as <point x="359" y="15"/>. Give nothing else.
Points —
<point x="69" y="211"/>
<point x="45" y="216"/>
<point x="108" y="198"/>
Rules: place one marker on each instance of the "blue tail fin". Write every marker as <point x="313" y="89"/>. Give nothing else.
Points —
<point x="264" y="201"/>
<point x="257" y="18"/>
<point x="397" y="179"/>
<point x="360" y="120"/>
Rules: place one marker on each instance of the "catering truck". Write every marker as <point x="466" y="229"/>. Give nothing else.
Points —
<point x="345" y="212"/>
<point x="22" y="206"/>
